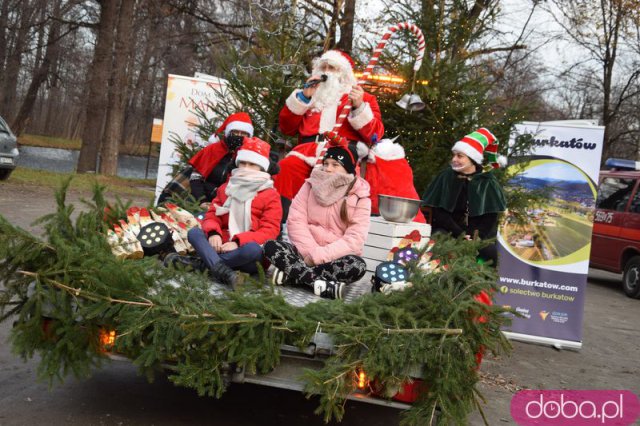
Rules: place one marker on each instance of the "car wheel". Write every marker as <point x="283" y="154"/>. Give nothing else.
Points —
<point x="631" y="278"/>
<point x="4" y="173"/>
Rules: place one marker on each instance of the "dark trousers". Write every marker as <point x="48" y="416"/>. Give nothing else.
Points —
<point x="286" y="257"/>
<point x="244" y="258"/>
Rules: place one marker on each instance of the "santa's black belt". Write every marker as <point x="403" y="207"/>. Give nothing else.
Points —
<point x="319" y="138"/>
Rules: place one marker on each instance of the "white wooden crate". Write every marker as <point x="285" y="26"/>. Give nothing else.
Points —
<point x="384" y="235"/>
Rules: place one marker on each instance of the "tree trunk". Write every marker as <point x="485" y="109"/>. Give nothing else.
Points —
<point x="96" y="106"/>
<point x="8" y="106"/>
<point x="117" y="99"/>
<point x="346" y="26"/>
<point x="611" y="34"/>
<point x="4" y="20"/>
<point x="136" y="104"/>
<point x="145" y="124"/>
<point x="41" y="74"/>
<point x="467" y="29"/>
<point x="329" y="41"/>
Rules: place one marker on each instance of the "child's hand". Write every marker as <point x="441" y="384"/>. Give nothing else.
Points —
<point x="216" y="242"/>
<point x="227" y="247"/>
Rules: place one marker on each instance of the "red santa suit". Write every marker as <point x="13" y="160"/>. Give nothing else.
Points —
<point x="300" y="117"/>
<point x="389" y="173"/>
<point x="363" y="124"/>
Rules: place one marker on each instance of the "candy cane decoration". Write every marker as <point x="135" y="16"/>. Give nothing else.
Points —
<point x="372" y="63"/>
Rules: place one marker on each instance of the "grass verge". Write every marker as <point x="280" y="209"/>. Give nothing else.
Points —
<point x="83" y="182"/>
<point x="49" y="141"/>
<point x="62" y="143"/>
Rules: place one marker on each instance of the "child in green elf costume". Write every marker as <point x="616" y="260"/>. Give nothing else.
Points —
<point x="464" y="199"/>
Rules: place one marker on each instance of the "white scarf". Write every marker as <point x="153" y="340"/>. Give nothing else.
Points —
<point x="241" y="189"/>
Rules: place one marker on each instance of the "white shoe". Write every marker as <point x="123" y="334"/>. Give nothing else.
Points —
<point x="329" y="289"/>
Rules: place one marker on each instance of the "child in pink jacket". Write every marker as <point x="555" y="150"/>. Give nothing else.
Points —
<point x="328" y="223"/>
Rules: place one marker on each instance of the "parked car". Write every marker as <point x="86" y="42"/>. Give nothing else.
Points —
<point x="8" y="150"/>
<point x="615" y="245"/>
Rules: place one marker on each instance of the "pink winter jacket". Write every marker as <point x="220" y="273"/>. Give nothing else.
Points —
<point x="317" y="231"/>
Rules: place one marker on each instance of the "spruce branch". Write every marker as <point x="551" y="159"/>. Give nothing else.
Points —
<point x="170" y="317"/>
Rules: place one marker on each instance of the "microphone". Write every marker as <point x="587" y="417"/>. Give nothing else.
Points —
<point x="315" y="81"/>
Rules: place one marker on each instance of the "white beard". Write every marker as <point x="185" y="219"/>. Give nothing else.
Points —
<point x="330" y="92"/>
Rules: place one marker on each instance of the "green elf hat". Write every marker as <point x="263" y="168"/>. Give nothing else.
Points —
<point x="479" y="143"/>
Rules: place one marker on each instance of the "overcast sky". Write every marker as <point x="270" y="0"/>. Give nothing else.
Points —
<point x="558" y="53"/>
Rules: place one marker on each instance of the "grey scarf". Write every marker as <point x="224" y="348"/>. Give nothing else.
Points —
<point x="328" y="188"/>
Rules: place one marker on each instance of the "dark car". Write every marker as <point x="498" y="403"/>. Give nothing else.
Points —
<point x="8" y="150"/>
<point x="615" y="245"/>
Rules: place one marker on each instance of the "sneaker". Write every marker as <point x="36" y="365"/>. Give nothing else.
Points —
<point x="278" y="277"/>
<point x="192" y="263"/>
<point x="225" y="275"/>
<point x="329" y="289"/>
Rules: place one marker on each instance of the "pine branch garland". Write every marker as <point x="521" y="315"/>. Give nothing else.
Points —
<point x="165" y="317"/>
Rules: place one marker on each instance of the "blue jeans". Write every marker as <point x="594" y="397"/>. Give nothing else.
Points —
<point x="243" y="258"/>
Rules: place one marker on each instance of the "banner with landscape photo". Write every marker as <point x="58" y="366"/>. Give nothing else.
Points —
<point x="544" y="257"/>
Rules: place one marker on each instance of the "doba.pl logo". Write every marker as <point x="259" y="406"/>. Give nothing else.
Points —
<point x="575" y="407"/>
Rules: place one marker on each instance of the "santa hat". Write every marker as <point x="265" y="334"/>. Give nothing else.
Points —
<point x="238" y="121"/>
<point x="256" y="151"/>
<point x="476" y="144"/>
<point x="340" y="60"/>
<point x="387" y="150"/>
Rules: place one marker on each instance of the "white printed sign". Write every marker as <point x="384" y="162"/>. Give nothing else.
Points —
<point x="184" y="95"/>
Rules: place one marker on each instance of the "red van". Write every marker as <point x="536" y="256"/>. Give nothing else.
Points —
<point x="615" y="245"/>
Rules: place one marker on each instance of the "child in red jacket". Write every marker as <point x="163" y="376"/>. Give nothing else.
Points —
<point x="245" y="213"/>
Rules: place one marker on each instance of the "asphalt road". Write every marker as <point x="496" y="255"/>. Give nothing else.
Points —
<point x="116" y="395"/>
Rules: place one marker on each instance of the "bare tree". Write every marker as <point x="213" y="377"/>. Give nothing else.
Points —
<point x="345" y="42"/>
<point x="16" y="42"/>
<point x="601" y="29"/>
<point x="42" y="71"/>
<point x="99" y="73"/>
<point x="117" y="99"/>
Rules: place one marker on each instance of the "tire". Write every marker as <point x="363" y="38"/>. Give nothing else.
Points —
<point x="631" y="278"/>
<point x="4" y="173"/>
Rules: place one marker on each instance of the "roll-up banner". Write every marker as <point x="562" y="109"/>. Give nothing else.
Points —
<point x="544" y="263"/>
<point x="184" y="95"/>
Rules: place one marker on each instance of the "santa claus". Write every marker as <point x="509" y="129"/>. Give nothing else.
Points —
<point x="314" y="109"/>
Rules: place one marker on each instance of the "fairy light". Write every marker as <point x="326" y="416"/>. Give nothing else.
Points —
<point x="107" y="338"/>
<point x="383" y="78"/>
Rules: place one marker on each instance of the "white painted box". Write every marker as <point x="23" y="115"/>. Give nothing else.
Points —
<point x="384" y="235"/>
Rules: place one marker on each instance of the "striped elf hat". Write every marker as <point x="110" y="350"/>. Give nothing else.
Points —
<point x="476" y="144"/>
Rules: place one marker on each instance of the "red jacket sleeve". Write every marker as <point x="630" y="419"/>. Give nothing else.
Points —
<point x="367" y="120"/>
<point x="291" y="114"/>
<point x="268" y="215"/>
<point x="212" y="224"/>
<point x="208" y="157"/>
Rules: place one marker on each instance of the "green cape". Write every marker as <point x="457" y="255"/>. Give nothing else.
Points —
<point x="484" y="193"/>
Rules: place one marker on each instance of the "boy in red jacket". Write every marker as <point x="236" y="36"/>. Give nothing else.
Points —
<point x="245" y="213"/>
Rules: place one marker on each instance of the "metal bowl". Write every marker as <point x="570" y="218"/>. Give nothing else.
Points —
<point x="398" y="209"/>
